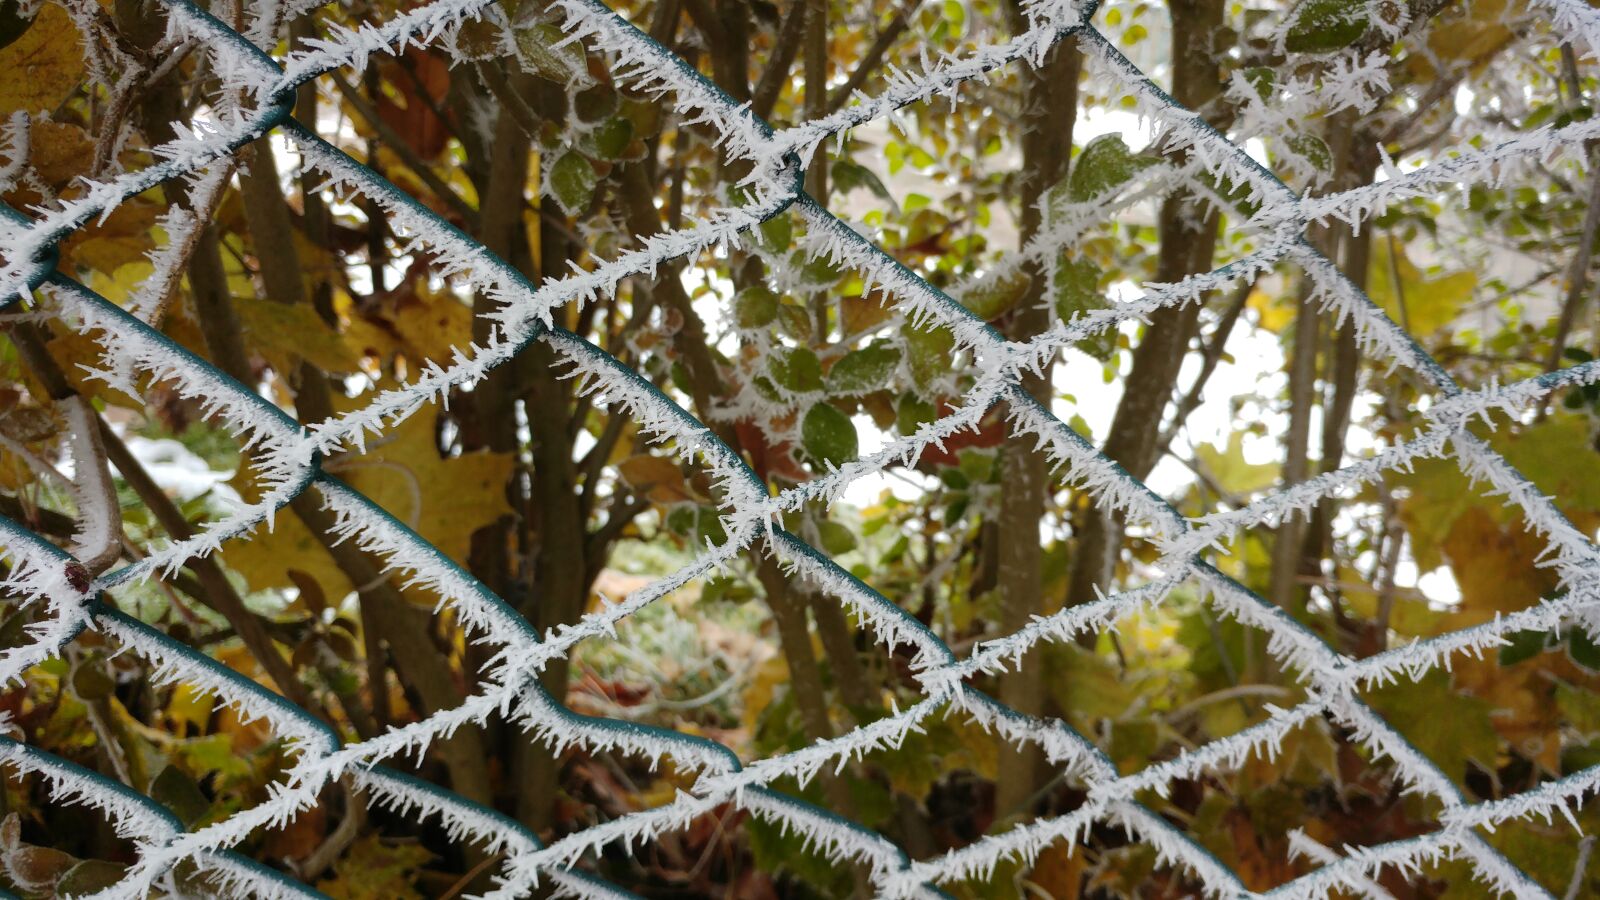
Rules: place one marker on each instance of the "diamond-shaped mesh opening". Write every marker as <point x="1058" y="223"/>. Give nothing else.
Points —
<point x="1316" y="785"/>
<point x="181" y="760"/>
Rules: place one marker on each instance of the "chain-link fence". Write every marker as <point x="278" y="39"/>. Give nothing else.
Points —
<point x="288" y="457"/>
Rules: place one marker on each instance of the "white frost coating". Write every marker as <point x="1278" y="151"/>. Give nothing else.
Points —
<point x="150" y="298"/>
<point x="1303" y="845"/>
<point x="144" y="822"/>
<point x="285" y="456"/>
<point x="37" y="572"/>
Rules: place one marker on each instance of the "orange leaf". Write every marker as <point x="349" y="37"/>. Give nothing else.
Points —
<point x="657" y="477"/>
<point x="1059" y="871"/>
<point x="43" y="66"/>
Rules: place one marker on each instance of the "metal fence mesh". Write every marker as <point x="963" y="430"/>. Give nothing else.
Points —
<point x="288" y="458"/>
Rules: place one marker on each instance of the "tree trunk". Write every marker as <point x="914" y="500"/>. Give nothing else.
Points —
<point x="1050" y="111"/>
<point x="1188" y="242"/>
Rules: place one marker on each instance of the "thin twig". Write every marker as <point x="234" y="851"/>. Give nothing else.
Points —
<point x="395" y="142"/>
<point x="333" y="847"/>
<point x="1580" y="868"/>
<point x="873" y="58"/>
<point x="1577" y="275"/>
<point x="1213" y="356"/>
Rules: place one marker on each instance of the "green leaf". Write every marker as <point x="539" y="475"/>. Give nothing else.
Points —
<point x="776" y="848"/>
<point x="1449" y="727"/>
<point x="212" y="753"/>
<point x="174" y="789"/>
<point x="643" y="115"/>
<point x="1105" y="163"/>
<point x="540" y="54"/>
<point x="1077" y="291"/>
<point x="836" y="538"/>
<point x="1523" y="645"/>
<point x="1312" y="149"/>
<point x="828" y="435"/>
<point x="1263" y="79"/>
<point x="847" y="176"/>
<point x="1583" y="649"/>
<point x="863" y="371"/>
<point x="997" y="296"/>
<point x="896" y="551"/>
<point x="1228" y="467"/>
<point x="89" y="877"/>
<point x="928" y="352"/>
<point x="595" y="103"/>
<point x="776" y="233"/>
<point x="90" y="680"/>
<point x="956" y="15"/>
<point x="797" y="370"/>
<point x="1236" y="195"/>
<point x="816" y="272"/>
<point x="912" y="412"/>
<point x="13" y="632"/>
<point x="611" y="139"/>
<point x="977" y="465"/>
<point x="755" y="307"/>
<point x="373" y="868"/>
<point x="1086" y="685"/>
<point x="766" y="389"/>
<point x="572" y="181"/>
<point x="1322" y="26"/>
<point x="1579" y="707"/>
<point x="697" y="523"/>
<point x="794" y="321"/>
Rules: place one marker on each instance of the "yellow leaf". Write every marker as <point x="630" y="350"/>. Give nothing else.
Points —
<point x="374" y="870"/>
<point x="191" y="707"/>
<point x="1411" y="616"/>
<point x="124" y="237"/>
<point x="758" y="692"/>
<point x="1558" y="455"/>
<point x="1496" y="567"/>
<point x="43" y="66"/>
<point x="1309" y="746"/>
<point x="1228" y="467"/>
<point x="84" y="348"/>
<point x="26" y="423"/>
<point x="1473" y="33"/>
<point x="1430" y="303"/>
<point x="1275" y="313"/>
<point x="284" y="333"/>
<point x="431" y="325"/>
<point x="58" y="151"/>
<point x="1085" y="684"/>
<point x="861" y="313"/>
<point x="443" y="500"/>
<point x="1526" y="713"/>
<point x="14" y="473"/>
<point x="1437" y="494"/>
<point x="420" y="324"/>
